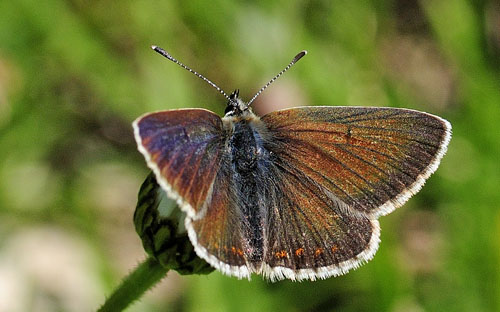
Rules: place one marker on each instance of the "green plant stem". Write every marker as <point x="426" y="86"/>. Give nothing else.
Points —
<point x="145" y="276"/>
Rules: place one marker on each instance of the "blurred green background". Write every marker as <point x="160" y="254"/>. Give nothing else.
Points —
<point x="75" y="74"/>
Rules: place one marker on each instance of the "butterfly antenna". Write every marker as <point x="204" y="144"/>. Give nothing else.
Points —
<point x="170" y="57"/>
<point x="295" y="60"/>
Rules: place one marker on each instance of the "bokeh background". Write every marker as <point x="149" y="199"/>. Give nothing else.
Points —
<point x="75" y="74"/>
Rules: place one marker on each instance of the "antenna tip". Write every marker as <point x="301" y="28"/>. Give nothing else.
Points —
<point x="160" y="51"/>
<point x="299" y="56"/>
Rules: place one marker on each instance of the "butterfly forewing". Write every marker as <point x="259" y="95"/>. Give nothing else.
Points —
<point x="183" y="148"/>
<point x="372" y="159"/>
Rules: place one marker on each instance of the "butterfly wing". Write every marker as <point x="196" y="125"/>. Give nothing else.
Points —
<point x="219" y="235"/>
<point x="186" y="151"/>
<point x="310" y="233"/>
<point x="183" y="148"/>
<point x="372" y="159"/>
<point x="337" y="169"/>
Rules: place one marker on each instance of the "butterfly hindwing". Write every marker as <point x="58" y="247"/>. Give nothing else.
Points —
<point x="218" y="234"/>
<point x="310" y="233"/>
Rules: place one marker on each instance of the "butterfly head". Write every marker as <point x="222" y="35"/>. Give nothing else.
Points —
<point x="236" y="106"/>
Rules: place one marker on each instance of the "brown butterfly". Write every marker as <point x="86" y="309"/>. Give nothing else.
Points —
<point x="295" y="193"/>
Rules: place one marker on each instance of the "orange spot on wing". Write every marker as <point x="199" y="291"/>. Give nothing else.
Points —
<point x="334" y="248"/>
<point x="318" y="252"/>
<point x="281" y="254"/>
<point x="299" y="252"/>
<point x="235" y="251"/>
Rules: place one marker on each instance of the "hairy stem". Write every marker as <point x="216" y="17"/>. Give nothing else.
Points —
<point x="145" y="276"/>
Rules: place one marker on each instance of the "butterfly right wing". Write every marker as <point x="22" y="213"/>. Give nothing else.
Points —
<point x="335" y="170"/>
<point x="310" y="233"/>
<point x="372" y="159"/>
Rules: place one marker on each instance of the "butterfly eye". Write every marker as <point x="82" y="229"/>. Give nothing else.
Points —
<point x="229" y="109"/>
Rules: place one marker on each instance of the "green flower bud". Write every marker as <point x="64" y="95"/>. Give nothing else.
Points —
<point x="160" y="225"/>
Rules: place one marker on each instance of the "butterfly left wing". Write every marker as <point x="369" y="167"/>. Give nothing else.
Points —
<point x="186" y="151"/>
<point x="219" y="235"/>
<point x="183" y="148"/>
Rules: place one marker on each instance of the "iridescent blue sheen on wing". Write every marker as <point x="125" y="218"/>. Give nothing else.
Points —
<point x="184" y="148"/>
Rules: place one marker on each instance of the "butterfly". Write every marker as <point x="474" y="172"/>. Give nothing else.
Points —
<point x="295" y="194"/>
